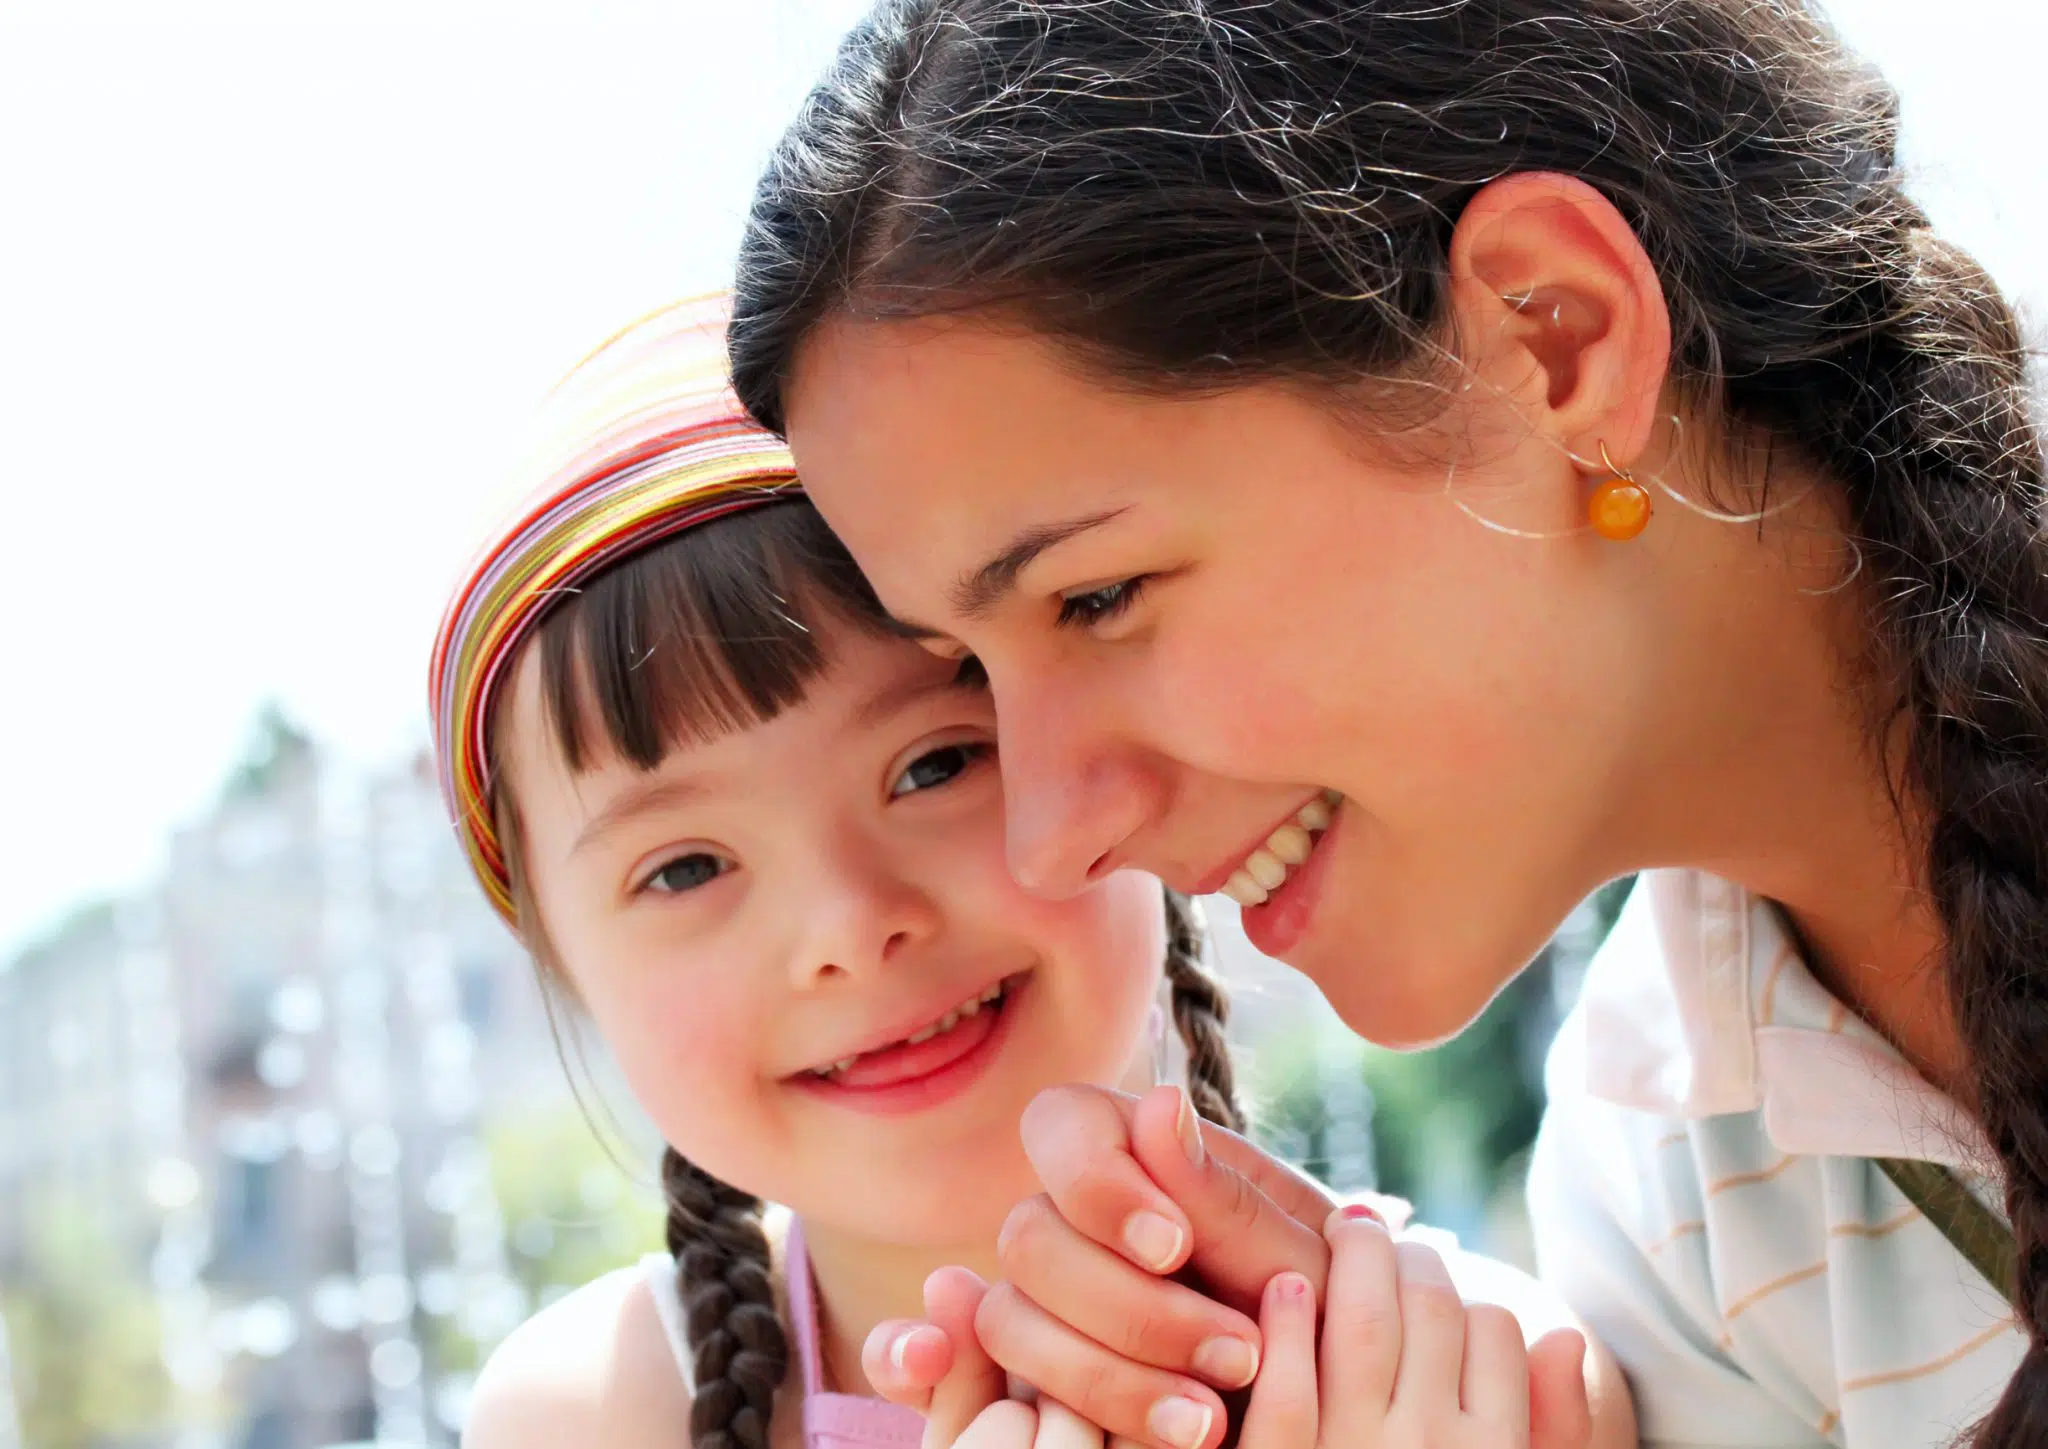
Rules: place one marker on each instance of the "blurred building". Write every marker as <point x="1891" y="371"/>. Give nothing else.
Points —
<point x="258" y="1086"/>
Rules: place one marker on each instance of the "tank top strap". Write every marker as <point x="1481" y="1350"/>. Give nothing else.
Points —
<point x="834" y="1420"/>
<point x="803" y="1308"/>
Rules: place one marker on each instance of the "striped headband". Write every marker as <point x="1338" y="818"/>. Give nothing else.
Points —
<point x="642" y="440"/>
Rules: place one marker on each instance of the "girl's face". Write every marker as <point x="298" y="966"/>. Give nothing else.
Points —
<point x="1200" y="613"/>
<point x="803" y="945"/>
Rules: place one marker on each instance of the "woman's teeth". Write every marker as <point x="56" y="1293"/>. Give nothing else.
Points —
<point x="940" y="1027"/>
<point x="1265" y="870"/>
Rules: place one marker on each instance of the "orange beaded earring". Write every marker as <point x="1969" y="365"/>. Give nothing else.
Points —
<point x="1620" y="507"/>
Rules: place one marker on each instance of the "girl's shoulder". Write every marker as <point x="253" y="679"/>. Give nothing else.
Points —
<point x="596" y="1366"/>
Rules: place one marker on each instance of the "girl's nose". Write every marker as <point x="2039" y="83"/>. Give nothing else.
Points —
<point x="859" y="916"/>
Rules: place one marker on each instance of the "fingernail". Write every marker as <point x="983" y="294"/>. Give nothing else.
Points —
<point x="1420" y="1263"/>
<point x="1180" y="1422"/>
<point x="1152" y="1239"/>
<point x="899" y="1348"/>
<point x="1291" y="1286"/>
<point x="1353" y="1212"/>
<point x="1227" y="1361"/>
<point x="1190" y="1128"/>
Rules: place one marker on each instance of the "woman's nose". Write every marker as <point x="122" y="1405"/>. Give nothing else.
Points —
<point x="1073" y="794"/>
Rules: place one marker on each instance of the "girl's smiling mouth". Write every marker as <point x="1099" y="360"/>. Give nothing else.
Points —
<point x="926" y="1066"/>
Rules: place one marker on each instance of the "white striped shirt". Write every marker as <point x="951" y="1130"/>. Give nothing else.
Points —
<point x="1702" y="1194"/>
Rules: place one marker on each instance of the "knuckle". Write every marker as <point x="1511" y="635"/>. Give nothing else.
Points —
<point x="1143" y="1332"/>
<point x="1094" y="1389"/>
<point x="995" y="1319"/>
<point x="1242" y="1202"/>
<point x="1021" y="1244"/>
<point x="1433" y="1304"/>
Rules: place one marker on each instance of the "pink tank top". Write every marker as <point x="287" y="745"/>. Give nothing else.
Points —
<point x="831" y="1421"/>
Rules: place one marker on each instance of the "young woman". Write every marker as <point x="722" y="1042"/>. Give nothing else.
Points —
<point x="1550" y="432"/>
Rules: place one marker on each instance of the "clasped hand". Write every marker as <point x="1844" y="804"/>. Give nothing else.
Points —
<point x="1169" y="1261"/>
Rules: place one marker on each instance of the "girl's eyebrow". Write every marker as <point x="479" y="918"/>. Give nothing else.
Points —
<point x="641" y="799"/>
<point x="976" y="593"/>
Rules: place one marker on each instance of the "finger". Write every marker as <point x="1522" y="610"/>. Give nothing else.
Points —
<point x="1283" y="1410"/>
<point x="1059" y="1427"/>
<point x="1147" y="1319"/>
<point x="1166" y="1410"/>
<point x="1432" y="1333"/>
<point x="1560" y="1408"/>
<point x="1361" y="1344"/>
<point x="1251" y="1217"/>
<point x="905" y="1358"/>
<point x="951" y="1297"/>
<point x="1078" y="1140"/>
<point x="1005" y="1424"/>
<point x="1494" y="1387"/>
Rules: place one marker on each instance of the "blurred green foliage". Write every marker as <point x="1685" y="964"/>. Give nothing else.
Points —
<point x="83" y="1336"/>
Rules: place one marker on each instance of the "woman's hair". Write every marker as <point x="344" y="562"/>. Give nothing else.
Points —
<point x="1200" y="193"/>
<point x="708" y="632"/>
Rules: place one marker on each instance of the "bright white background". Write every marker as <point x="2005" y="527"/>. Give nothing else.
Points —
<point x="279" y="284"/>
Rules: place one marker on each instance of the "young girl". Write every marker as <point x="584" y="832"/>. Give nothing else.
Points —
<point x="1550" y="428"/>
<point x="758" y="840"/>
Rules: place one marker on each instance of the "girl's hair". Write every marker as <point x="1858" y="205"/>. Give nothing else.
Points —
<point x="709" y="632"/>
<point x="1193" y="195"/>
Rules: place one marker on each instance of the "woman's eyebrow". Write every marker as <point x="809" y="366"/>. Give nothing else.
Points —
<point x="976" y="593"/>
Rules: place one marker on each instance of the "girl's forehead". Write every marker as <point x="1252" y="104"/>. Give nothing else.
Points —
<point x="866" y="680"/>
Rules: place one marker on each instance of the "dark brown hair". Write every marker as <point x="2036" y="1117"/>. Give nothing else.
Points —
<point x="709" y="632"/>
<point x="1196" y="193"/>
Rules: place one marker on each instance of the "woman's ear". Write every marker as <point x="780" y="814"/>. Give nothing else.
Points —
<point x="1559" y="308"/>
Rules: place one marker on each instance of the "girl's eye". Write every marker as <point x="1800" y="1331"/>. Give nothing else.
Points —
<point x="687" y="872"/>
<point x="1099" y="606"/>
<point x="937" y="767"/>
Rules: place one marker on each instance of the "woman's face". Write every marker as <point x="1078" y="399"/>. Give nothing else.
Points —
<point x="1202" y="615"/>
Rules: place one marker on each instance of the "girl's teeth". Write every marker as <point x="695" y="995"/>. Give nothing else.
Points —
<point x="1265" y="868"/>
<point x="1290" y="844"/>
<point x="1314" y="816"/>
<point x="924" y="1034"/>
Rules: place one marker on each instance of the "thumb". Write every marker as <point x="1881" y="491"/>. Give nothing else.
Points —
<point x="1251" y="1216"/>
<point x="1560" y="1414"/>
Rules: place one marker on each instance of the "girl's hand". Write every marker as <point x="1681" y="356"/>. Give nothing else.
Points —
<point x="1403" y="1363"/>
<point x="937" y="1366"/>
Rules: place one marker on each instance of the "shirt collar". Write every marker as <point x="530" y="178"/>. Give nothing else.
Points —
<point x="1699" y="1006"/>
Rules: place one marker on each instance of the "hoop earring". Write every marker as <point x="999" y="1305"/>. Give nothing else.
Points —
<point x="1619" y="508"/>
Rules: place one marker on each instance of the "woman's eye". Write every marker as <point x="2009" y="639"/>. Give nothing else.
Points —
<point x="937" y="767"/>
<point x="687" y="872"/>
<point x="1098" y="606"/>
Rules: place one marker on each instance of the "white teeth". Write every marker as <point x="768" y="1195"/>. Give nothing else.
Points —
<point x="925" y="1033"/>
<point x="1265" y="868"/>
<point x="1244" y="890"/>
<point x="1290" y="844"/>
